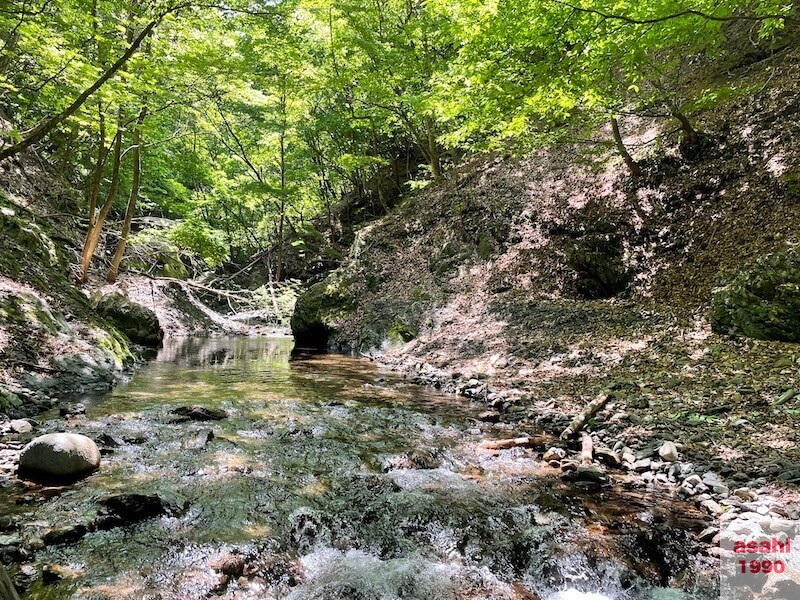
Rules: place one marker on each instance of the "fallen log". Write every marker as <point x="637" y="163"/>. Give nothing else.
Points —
<point x="535" y="441"/>
<point x="587" y="413"/>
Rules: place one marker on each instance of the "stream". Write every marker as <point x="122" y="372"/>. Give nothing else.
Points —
<point x="332" y="478"/>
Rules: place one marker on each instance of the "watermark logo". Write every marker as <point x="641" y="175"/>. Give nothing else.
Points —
<point x="759" y="558"/>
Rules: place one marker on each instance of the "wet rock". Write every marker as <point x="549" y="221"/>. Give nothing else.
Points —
<point x="200" y="413"/>
<point x="72" y="410"/>
<point x="200" y="440"/>
<point x="230" y="564"/>
<point x="489" y="416"/>
<point x="56" y="573"/>
<point x="668" y="452"/>
<point x="138" y="323"/>
<point x="59" y="456"/>
<point x="20" y="426"/>
<point x="132" y="508"/>
<point x="420" y="459"/>
<point x="592" y="473"/>
<point x="25" y="577"/>
<point x="109" y="441"/>
<point x="554" y="454"/>
<point x="65" y="535"/>
<point x="607" y="457"/>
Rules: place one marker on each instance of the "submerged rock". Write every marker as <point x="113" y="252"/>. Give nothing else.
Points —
<point x="137" y="322"/>
<point x="132" y="508"/>
<point x="59" y="456"/>
<point x="200" y="413"/>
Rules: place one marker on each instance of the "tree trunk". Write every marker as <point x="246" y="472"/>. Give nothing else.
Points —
<point x="689" y="134"/>
<point x="632" y="165"/>
<point x="433" y="151"/>
<point x="97" y="175"/>
<point x="7" y="589"/>
<point x="46" y="126"/>
<point x="93" y="234"/>
<point x="113" y="271"/>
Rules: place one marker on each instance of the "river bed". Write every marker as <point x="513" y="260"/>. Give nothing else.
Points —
<point x="331" y="478"/>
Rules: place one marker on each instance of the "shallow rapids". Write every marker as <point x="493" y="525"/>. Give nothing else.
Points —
<point x="330" y="478"/>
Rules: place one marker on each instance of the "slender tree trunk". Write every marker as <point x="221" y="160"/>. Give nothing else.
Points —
<point x="113" y="271"/>
<point x="632" y="165"/>
<point x="689" y="132"/>
<point x="46" y="126"/>
<point x="433" y="151"/>
<point x="279" y="267"/>
<point x="93" y="234"/>
<point x="97" y="175"/>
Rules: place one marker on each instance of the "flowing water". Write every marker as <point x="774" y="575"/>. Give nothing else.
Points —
<point x="330" y="478"/>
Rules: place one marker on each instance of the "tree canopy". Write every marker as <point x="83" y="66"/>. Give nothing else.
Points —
<point x="245" y="121"/>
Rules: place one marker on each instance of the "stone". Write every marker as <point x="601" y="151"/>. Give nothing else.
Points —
<point x="489" y="416"/>
<point x="200" y="440"/>
<point x="590" y="473"/>
<point x="65" y="535"/>
<point x="139" y="324"/>
<point x="554" y="454"/>
<point x="59" y="455"/>
<point x="20" y="426"/>
<point x="668" y="452"/>
<point x="712" y="507"/>
<point x="607" y="457"/>
<point x="708" y="534"/>
<point x="55" y="573"/>
<point x="642" y="465"/>
<point x="132" y="508"/>
<point x="71" y="410"/>
<point x="693" y="480"/>
<point x="200" y="413"/>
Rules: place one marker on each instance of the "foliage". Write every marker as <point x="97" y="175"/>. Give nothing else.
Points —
<point x="264" y="116"/>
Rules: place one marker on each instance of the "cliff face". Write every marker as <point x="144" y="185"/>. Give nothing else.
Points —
<point x="51" y="340"/>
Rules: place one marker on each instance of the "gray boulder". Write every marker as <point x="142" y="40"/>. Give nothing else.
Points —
<point x="137" y="322"/>
<point x="59" y="456"/>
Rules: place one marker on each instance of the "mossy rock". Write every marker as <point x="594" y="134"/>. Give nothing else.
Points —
<point x="318" y="313"/>
<point x="137" y="322"/>
<point x="762" y="301"/>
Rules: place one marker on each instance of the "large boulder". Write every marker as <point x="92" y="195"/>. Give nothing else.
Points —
<point x="762" y="301"/>
<point x="137" y="322"/>
<point x="57" y="456"/>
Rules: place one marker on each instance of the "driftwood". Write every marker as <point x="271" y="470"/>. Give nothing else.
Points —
<point x="587" y="449"/>
<point x="528" y="441"/>
<point x="7" y="589"/>
<point x="578" y="422"/>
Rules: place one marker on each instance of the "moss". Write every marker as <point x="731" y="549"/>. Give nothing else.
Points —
<point x="401" y="332"/>
<point x="763" y="300"/>
<point x="485" y="247"/>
